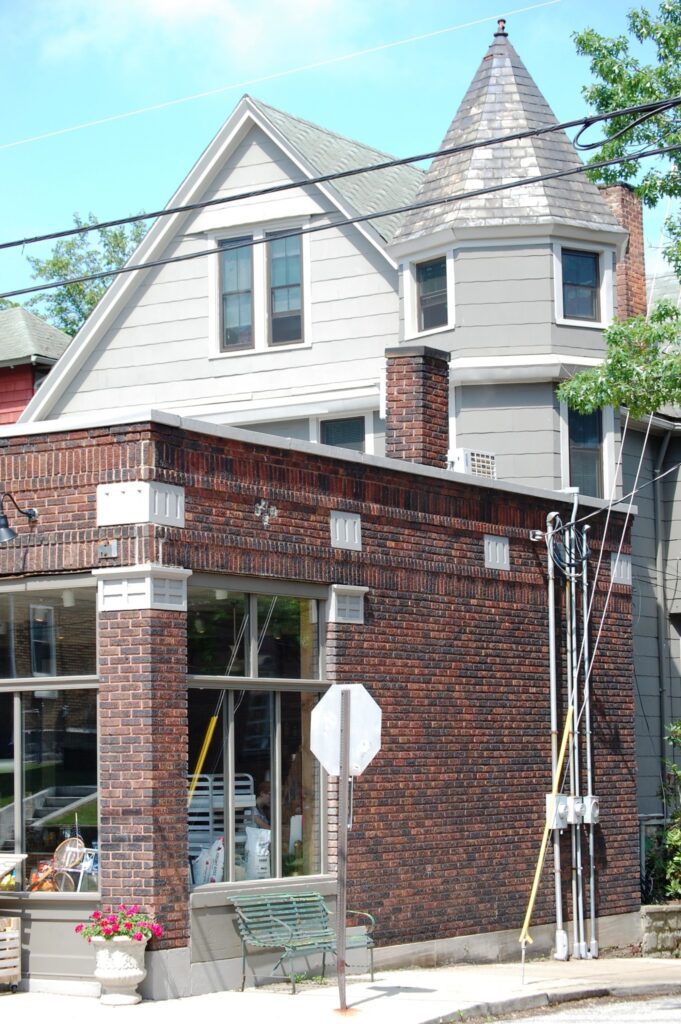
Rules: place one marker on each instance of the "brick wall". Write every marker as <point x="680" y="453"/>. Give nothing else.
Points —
<point x="417" y="401"/>
<point x="448" y="818"/>
<point x="631" y="271"/>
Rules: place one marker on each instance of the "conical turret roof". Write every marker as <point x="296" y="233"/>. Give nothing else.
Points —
<point x="502" y="99"/>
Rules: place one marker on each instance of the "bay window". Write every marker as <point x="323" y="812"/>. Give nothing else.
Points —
<point x="254" y="789"/>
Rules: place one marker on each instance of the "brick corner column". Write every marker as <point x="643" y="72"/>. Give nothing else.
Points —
<point x="631" y="270"/>
<point x="417" y="401"/>
<point x="143" y="765"/>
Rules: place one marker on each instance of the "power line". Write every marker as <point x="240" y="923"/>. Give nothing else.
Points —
<point x="346" y="222"/>
<point x="646" y="110"/>
<point x="268" y="78"/>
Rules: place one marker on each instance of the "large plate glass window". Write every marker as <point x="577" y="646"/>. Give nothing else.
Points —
<point x="48" y="738"/>
<point x="254" y="805"/>
<point x="236" y="270"/>
<point x="431" y="291"/>
<point x="286" y="289"/>
<point x="586" y="452"/>
<point x="581" y="285"/>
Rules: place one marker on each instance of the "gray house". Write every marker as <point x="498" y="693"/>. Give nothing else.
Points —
<point x="281" y="326"/>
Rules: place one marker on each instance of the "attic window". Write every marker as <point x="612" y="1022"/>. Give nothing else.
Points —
<point x="286" y="288"/>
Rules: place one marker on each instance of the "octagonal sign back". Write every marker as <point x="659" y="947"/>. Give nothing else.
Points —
<point x="365" y="728"/>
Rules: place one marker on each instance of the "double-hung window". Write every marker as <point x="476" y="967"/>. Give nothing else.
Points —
<point x="581" y="285"/>
<point x="285" y="288"/>
<point x="254" y="787"/>
<point x="585" y="432"/>
<point x="236" y="273"/>
<point x="431" y="294"/>
<point x="48" y="736"/>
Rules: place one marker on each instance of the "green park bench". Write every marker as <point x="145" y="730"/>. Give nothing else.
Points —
<point x="298" y="923"/>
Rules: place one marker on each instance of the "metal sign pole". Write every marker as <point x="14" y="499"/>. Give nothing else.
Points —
<point x="343" y="843"/>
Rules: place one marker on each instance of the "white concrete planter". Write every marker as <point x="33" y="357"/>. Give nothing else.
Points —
<point x="119" y="969"/>
<point x="661" y="929"/>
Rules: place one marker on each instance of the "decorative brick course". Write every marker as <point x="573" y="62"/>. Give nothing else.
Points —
<point x="448" y="817"/>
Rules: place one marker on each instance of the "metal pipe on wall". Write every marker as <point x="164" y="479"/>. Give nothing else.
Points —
<point x="661" y="601"/>
<point x="593" y="941"/>
<point x="561" y="942"/>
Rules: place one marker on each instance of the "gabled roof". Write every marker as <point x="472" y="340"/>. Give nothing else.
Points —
<point x="502" y="99"/>
<point x="25" y="338"/>
<point x="327" y="152"/>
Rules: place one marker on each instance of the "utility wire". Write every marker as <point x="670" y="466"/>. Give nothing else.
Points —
<point x="646" y="110"/>
<point x="346" y="222"/>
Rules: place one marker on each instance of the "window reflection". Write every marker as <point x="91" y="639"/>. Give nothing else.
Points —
<point x="47" y="633"/>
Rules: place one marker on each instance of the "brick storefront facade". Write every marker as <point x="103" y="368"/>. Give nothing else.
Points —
<point x="448" y="817"/>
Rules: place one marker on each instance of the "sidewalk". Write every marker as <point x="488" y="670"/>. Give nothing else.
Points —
<point x="423" y="996"/>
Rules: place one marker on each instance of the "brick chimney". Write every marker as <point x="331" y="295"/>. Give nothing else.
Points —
<point x="631" y="271"/>
<point x="417" y="400"/>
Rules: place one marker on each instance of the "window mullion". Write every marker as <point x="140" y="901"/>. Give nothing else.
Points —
<point x="229" y="789"/>
<point x="275" y="803"/>
<point x="19" y="844"/>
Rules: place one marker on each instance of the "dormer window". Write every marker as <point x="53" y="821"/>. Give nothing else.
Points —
<point x="236" y="267"/>
<point x="286" y="290"/>
<point x="581" y="285"/>
<point x="431" y="294"/>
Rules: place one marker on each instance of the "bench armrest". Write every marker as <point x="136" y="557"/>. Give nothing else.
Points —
<point x="362" y="913"/>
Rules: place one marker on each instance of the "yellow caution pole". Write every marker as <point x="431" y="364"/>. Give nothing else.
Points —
<point x="525" y="934"/>
<point x="202" y="757"/>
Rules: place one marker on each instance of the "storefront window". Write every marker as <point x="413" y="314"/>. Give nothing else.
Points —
<point x="47" y="633"/>
<point x="273" y="811"/>
<point x="254" y="786"/>
<point x="7" y="782"/>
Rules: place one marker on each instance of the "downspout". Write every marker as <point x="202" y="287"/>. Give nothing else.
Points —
<point x="593" y="941"/>
<point x="561" y="940"/>
<point x="661" y="602"/>
<point x="579" y="947"/>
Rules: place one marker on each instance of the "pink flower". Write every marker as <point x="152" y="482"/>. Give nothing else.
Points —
<point x="138" y="936"/>
<point x="96" y="915"/>
<point x="123" y="908"/>
<point x="134" y="909"/>
<point x="156" y="930"/>
<point x="79" y="927"/>
<point x="112" y="919"/>
<point x="128" y="925"/>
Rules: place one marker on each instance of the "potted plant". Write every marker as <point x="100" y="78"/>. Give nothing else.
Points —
<point x="120" y="938"/>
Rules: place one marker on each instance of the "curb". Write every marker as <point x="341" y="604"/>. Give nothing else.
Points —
<point x="539" y="1000"/>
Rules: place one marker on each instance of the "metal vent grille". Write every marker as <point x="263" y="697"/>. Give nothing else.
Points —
<point x="465" y="460"/>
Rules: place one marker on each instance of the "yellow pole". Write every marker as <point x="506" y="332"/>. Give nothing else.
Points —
<point x="525" y="935"/>
<point x="202" y="757"/>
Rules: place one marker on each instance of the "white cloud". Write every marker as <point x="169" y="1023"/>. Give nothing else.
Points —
<point x="229" y="34"/>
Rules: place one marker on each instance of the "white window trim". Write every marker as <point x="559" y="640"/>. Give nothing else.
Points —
<point x="260" y="290"/>
<point x="607" y="450"/>
<point x="369" y="436"/>
<point x="410" y="295"/>
<point x="606" y="263"/>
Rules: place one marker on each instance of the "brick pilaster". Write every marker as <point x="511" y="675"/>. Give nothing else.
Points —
<point x="631" y="271"/>
<point x="143" y="765"/>
<point x="417" y="399"/>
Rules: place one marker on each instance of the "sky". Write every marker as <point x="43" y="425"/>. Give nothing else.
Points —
<point x="389" y="73"/>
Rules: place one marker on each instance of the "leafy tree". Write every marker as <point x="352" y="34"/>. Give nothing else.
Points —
<point x="622" y="80"/>
<point x="642" y="368"/>
<point x="105" y="249"/>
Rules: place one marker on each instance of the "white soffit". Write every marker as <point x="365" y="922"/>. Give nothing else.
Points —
<point x="140" y="502"/>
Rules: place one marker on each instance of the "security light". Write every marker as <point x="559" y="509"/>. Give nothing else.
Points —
<point x="6" y="532"/>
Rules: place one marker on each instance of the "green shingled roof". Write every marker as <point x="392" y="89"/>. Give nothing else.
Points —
<point x="326" y="152"/>
<point x="25" y="337"/>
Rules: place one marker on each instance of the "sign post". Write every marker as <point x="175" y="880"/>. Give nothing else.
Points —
<point x="345" y="735"/>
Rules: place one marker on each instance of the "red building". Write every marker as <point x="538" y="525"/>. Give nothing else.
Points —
<point x="29" y="348"/>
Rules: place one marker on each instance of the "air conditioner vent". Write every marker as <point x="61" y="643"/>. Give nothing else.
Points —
<point x="465" y="460"/>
